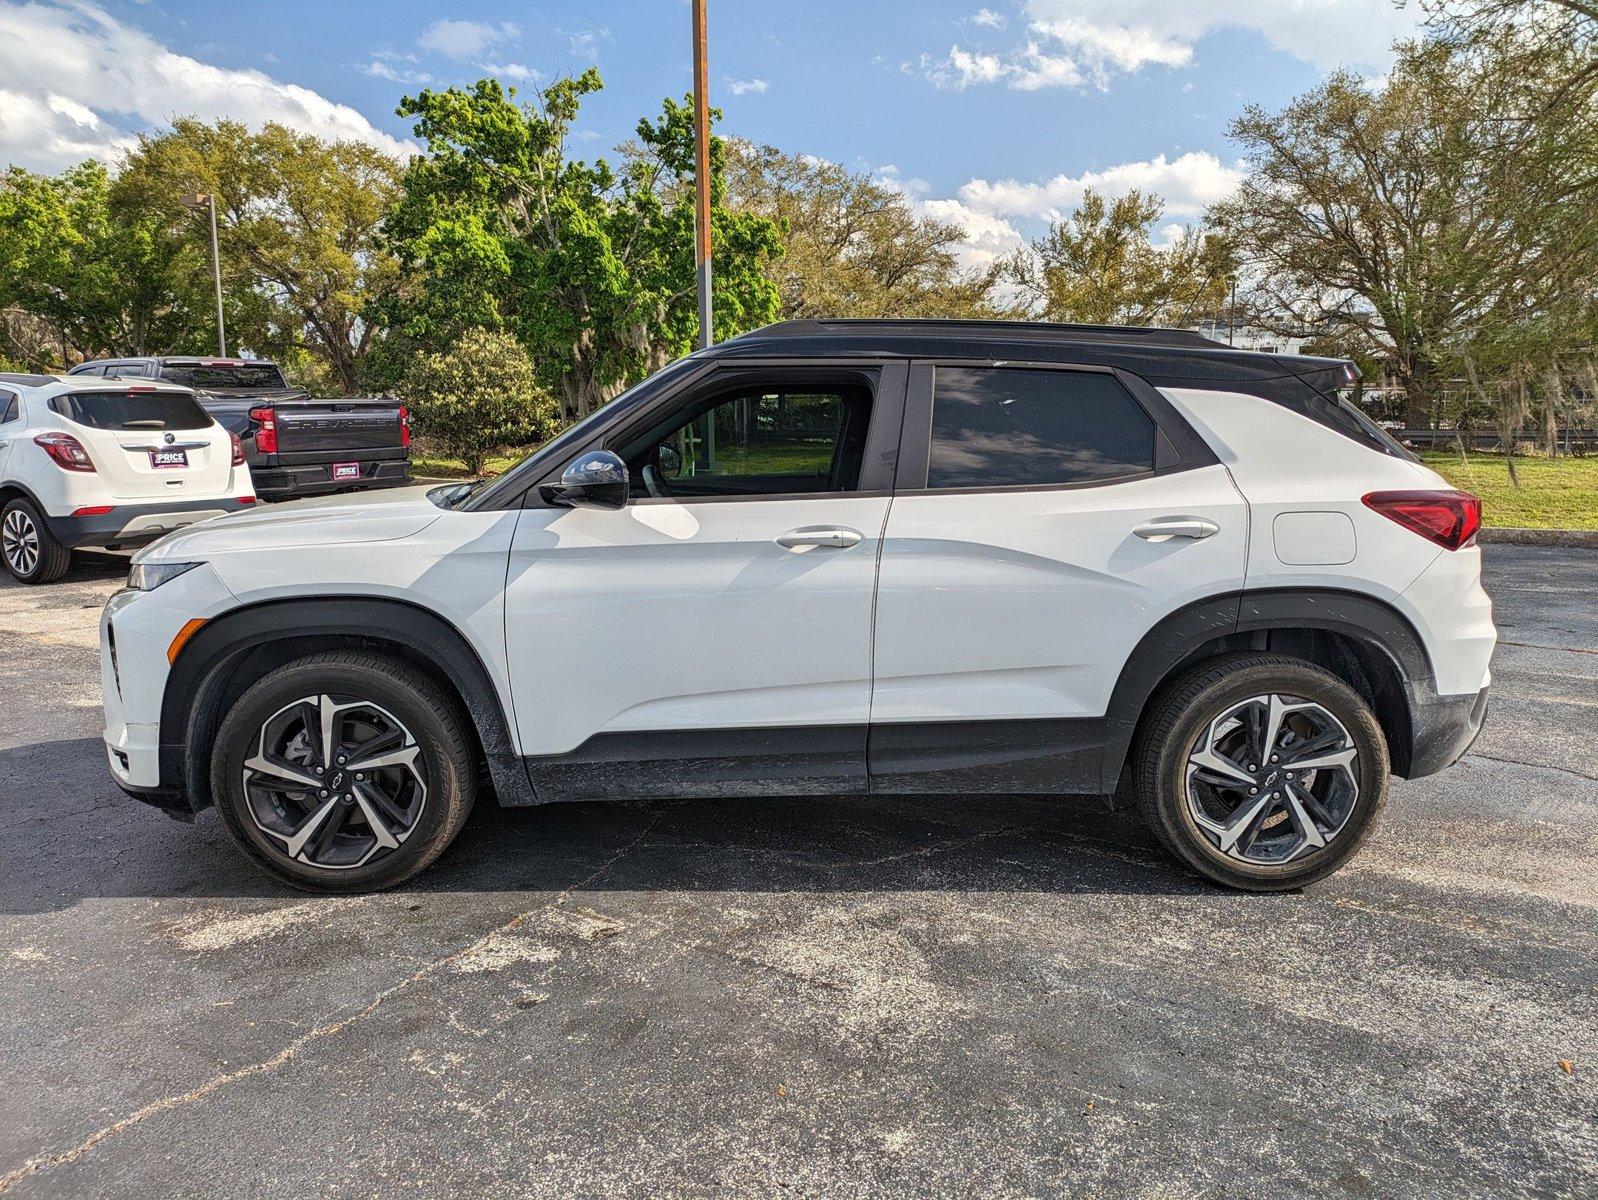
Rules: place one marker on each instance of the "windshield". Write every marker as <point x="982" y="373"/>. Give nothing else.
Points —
<point x="133" y="410"/>
<point x="223" y="376"/>
<point x="485" y="492"/>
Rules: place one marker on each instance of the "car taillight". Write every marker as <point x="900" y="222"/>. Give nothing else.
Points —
<point x="93" y="510"/>
<point x="1449" y="518"/>
<point x="405" y="426"/>
<point x="238" y="449"/>
<point x="266" y="429"/>
<point x="246" y="499"/>
<point x="65" y="451"/>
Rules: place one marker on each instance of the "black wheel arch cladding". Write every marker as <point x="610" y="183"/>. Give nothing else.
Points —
<point x="233" y="650"/>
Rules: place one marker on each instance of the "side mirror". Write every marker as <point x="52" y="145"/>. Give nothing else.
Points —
<point x="598" y="479"/>
<point x="670" y="461"/>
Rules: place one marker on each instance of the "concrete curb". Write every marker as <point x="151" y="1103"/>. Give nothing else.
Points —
<point x="1581" y="539"/>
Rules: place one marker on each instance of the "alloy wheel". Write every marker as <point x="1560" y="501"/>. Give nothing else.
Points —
<point x="19" y="541"/>
<point x="1272" y="779"/>
<point x="336" y="780"/>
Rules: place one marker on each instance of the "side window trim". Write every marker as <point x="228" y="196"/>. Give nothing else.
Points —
<point x="1177" y="446"/>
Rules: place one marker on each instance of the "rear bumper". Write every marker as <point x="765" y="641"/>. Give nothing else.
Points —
<point x="313" y="479"/>
<point x="1442" y="730"/>
<point x="135" y="524"/>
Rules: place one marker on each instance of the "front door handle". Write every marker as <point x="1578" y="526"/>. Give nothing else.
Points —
<point x="819" y="535"/>
<point x="1163" y="529"/>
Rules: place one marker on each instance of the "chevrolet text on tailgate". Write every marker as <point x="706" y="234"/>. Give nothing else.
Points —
<point x="297" y="445"/>
<point x="838" y="557"/>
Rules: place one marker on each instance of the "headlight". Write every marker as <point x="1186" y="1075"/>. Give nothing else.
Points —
<point x="146" y="577"/>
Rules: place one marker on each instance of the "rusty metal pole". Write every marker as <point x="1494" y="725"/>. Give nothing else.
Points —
<point x="702" y="174"/>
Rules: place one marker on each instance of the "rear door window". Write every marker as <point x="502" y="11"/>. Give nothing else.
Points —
<point x="8" y="408"/>
<point x="252" y="376"/>
<point x="1013" y="427"/>
<point x="132" y="410"/>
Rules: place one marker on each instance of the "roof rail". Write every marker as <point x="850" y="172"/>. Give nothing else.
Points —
<point x="1148" y="335"/>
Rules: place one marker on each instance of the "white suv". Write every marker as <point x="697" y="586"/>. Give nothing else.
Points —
<point x="838" y="557"/>
<point x="93" y="462"/>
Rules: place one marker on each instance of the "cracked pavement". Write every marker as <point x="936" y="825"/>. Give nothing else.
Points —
<point x="836" y="996"/>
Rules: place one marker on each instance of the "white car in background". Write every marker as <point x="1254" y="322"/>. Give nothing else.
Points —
<point x="99" y="462"/>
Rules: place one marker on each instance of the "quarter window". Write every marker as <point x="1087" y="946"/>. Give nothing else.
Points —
<point x="1011" y="427"/>
<point x="8" y="409"/>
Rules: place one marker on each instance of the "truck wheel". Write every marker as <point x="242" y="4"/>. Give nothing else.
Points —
<point x="30" y="550"/>
<point x="1260" y="771"/>
<point x="344" y="772"/>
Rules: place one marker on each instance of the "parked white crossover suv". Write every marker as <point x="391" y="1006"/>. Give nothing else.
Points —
<point x="838" y="557"/>
<point x="93" y="462"/>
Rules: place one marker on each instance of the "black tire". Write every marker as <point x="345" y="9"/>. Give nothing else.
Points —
<point x="27" y="547"/>
<point x="1178" y="724"/>
<point x="431" y="721"/>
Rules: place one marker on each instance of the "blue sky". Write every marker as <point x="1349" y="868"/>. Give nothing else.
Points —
<point x="993" y="114"/>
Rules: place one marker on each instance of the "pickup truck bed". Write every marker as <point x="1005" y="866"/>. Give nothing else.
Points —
<point x="309" y="446"/>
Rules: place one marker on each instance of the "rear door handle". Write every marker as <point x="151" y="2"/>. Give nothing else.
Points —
<point x="1163" y="529"/>
<point x="819" y="535"/>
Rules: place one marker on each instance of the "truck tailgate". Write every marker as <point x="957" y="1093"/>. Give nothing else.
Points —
<point x="338" y="425"/>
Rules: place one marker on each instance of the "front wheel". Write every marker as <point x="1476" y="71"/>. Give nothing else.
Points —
<point x="344" y="772"/>
<point x="31" y="552"/>
<point x="1260" y="771"/>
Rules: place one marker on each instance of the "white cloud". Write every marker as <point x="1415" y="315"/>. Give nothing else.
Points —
<point x="392" y="67"/>
<point x="466" y="39"/>
<point x="1070" y="41"/>
<point x="988" y="18"/>
<point x="76" y="83"/>
<point x="1026" y="71"/>
<point x="513" y="70"/>
<point x="1188" y="183"/>
<point x="739" y="87"/>
<point x="586" y="43"/>
<point x="988" y="238"/>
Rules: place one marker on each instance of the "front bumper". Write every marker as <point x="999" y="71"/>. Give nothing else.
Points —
<point x="136" y="524"/>
<point x="136" y="631"/>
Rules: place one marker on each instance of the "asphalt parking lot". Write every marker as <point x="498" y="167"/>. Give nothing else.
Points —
<point x="834" y="997"/>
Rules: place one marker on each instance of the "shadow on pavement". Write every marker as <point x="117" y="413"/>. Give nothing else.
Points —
<point x="68" y="835"/>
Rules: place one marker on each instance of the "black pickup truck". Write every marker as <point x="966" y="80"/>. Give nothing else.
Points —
<point x="296" y="444"/>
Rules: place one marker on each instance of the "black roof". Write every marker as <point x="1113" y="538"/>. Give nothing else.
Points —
<point x="26" y="380"/>
<point x="1164" y="357"/>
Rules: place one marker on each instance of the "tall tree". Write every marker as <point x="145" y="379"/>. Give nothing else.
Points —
<point x="1453" y="204"/>
<point x="297" y="221"/>
<point x="79" y="279"/>
<point x="1102" y="266"/>
<point x="591" y="267"/>
<point x="854" y="246"/>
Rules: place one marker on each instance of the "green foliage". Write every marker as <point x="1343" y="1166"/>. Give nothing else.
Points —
<point x="1549" y="493"/>
<point x="1101" y="266"/>
<point x="297" y="221"/>
<point x="90" y="279"/>
<point x="477" y="397"/>
<point x="590" y="267"/>
<point x="854" y="246"/>
<point x="1447" y="214"/>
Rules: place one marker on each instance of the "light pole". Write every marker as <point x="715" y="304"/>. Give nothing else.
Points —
<point x="702" y="173"/>
<point x="197" y="201"/>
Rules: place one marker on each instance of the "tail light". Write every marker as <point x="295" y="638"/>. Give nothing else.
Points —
<point x="238" y="449"/>
<point x="65" y="451"/>
<point x="93" y="510"/>
<point x="265" y="429"/>
<point x="1451" y="519"/>
<point x="405" y="426"/>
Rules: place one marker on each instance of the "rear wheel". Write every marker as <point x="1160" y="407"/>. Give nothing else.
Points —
<point x="30" y="551"/>
<point x="1260" y="771"/>
<point x="344" y="772"/>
